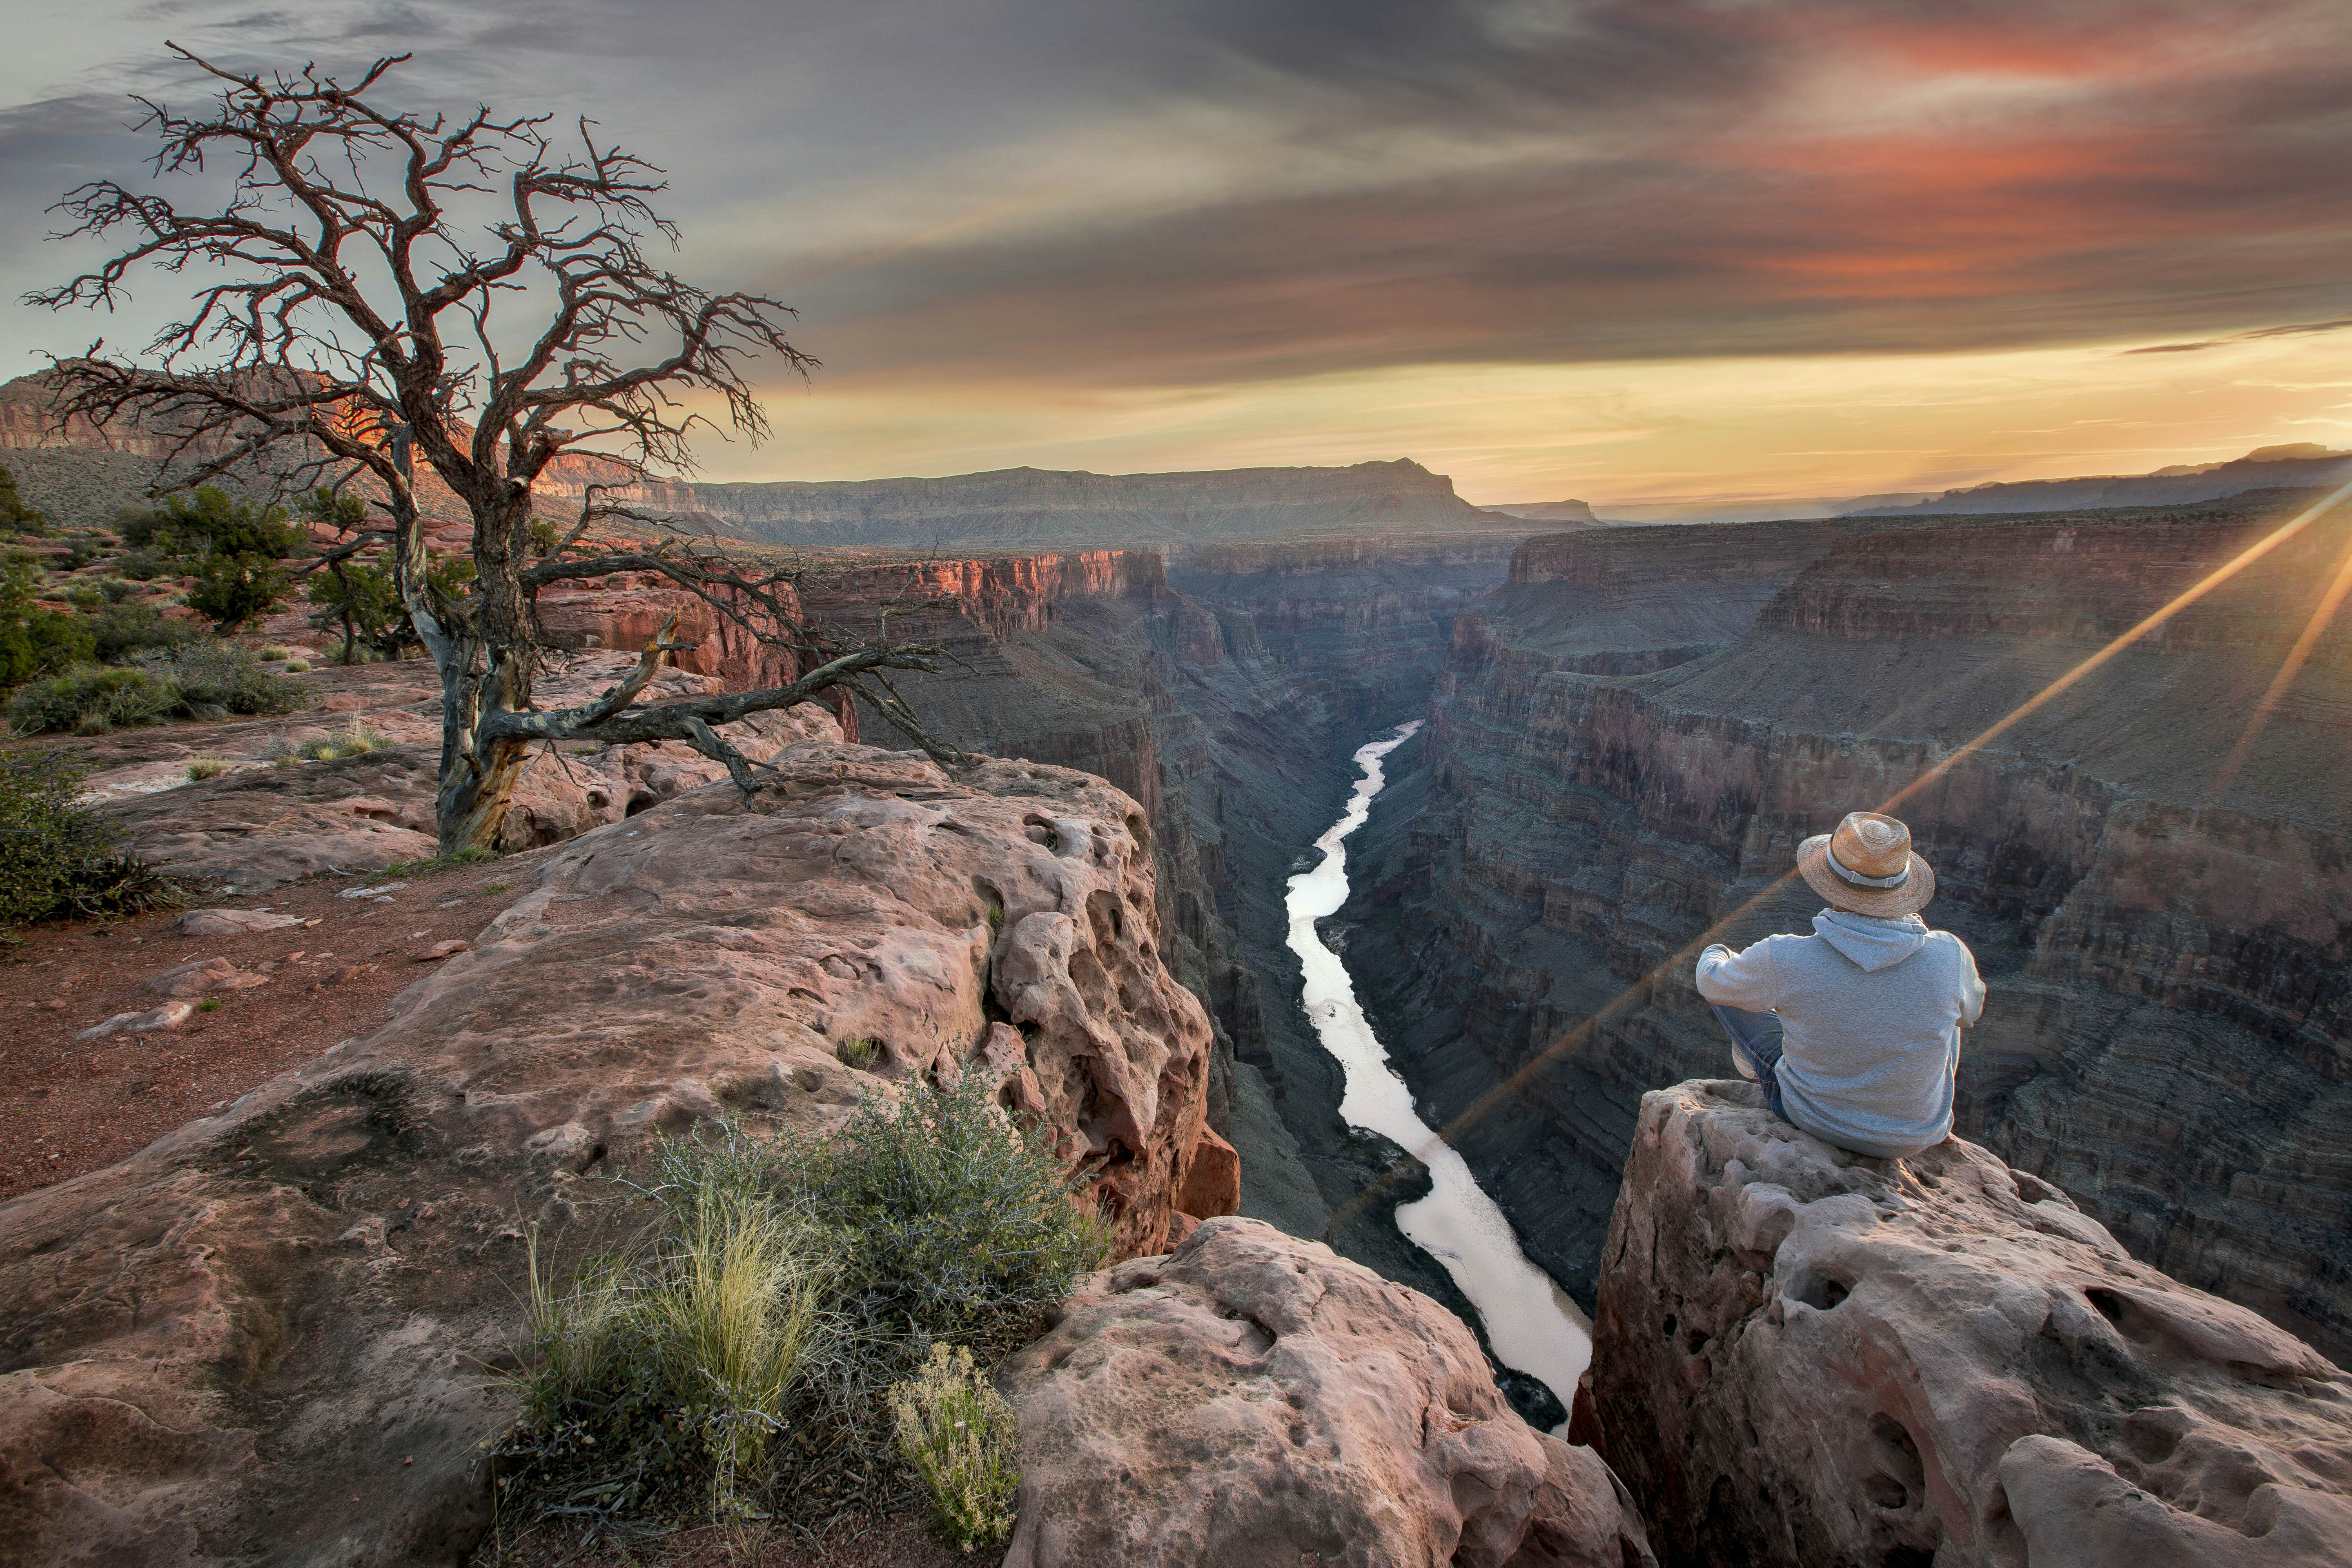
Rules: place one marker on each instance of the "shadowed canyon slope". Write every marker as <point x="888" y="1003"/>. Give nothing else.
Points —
<point x="1632" y="736"/>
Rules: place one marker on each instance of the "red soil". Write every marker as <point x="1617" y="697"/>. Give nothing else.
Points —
<point x="70" y="1106"/>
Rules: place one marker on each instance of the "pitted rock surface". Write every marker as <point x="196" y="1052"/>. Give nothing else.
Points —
<point x="1255" y="1401"/>
<point x="1803" y="1356"/>
<point x="225" y="1349"/>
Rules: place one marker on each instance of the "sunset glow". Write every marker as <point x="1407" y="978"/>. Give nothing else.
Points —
<point x="1660" y="258"/>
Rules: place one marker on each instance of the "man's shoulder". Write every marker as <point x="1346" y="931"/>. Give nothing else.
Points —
<point x="1950" y="941"/>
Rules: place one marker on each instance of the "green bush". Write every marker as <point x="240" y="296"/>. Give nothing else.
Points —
<point x="36" y="641"/>
<point x="58" y="858"/>
<point x="201" y="680"/>
<point x="237" y="590"/>
<point x="121" y="630"/>
<point x="959" y="1435"/>
<point x="92" y="699"/>
<point x="16" y="517"/>
<point x="145" y="565"/>
<point x="216" y="678"/>
<point x="929" y="1220"/>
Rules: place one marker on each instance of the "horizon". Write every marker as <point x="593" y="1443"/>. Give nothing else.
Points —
<point x="1705" y="261"/>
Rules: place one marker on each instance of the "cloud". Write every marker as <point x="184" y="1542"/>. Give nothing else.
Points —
<point x="2291" y="330"/>
<point x="1198" y="194"/>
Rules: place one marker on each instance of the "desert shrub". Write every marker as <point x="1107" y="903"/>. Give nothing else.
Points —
<point x="236" y="590"/>
<point x="145" y="565"/>
<point x="58" y="858"/>
<point x="16" y="517"/>
<point x="933" y="1219"/>
<point x="270" y="653"/>
<point x="216" y="678"/>
<point x="958" y="1434"/>
<point x="92" y="700"/>
<point x="36" y="641"/>
<point x="202" y="679"/>
<point x="858" y="1051"/>
<point x="120" y="631"/>
<point x="204" y="768"/>
<point x="666" y="1377"/>
<point x="210" y="523"/>
<point x="297" y="665"/>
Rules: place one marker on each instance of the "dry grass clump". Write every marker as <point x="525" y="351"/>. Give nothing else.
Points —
<point x="204" y="768"/>
<point x="355" y="742"/>
<point x="747" y="1358"/>
<point x="959" y="1434"/>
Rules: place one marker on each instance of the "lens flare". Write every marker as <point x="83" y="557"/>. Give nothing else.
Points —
<point x="1640" y="991"/>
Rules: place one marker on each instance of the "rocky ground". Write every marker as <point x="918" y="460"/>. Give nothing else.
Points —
<point x="333" y="970"/>
<point x="1803" y="1356"/>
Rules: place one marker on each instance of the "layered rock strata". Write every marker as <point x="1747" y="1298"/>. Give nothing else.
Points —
<point x="1033" y="508"/>
<point x="1226" y="694"/>
<point x="1254" y="1401"/>
<point x="1614" y="773"/>
<point x="1804" y="1357"/>
<point x="270" y="1336"/>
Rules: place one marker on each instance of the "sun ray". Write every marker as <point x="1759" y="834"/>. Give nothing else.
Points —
<point x="1625" y="1000"/>
<point x="2321" y="617"/>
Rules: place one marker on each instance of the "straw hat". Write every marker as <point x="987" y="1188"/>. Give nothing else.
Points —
<point x="1867" y="868"/>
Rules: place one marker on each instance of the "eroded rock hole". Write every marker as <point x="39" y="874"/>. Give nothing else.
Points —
<point x="1823" y="1292"/>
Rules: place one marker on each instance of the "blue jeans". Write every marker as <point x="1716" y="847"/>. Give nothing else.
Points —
<point x="1756" y="1036"/>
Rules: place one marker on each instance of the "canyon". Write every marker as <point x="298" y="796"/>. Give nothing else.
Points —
<point x="1632" y="735"/>
<point x="1624" y="732"/>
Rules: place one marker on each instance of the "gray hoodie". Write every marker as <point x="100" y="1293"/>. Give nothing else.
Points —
<point x="1871" y="1012"/>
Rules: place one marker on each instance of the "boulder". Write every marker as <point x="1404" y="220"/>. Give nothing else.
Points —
<point x="1803" y="1356"/>
<point x="1255" y="1401"/>
<point x="201" y="977"/>
<point x="232" y="922"/>
<point x="1212" y="1180"/>
<point x="229" y="1347"/>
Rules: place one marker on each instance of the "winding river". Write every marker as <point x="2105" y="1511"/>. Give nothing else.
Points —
<point x="1530" y="1321"/>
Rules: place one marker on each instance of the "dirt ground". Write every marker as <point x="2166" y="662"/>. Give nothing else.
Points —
<point x="900" y="1539"/>
<point x="70" y="1106"/>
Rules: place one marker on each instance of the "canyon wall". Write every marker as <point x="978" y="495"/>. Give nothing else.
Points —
<point x="1039" y="507"/>
<point x="1614" y="766"/>
<point x="1225" y="692"/>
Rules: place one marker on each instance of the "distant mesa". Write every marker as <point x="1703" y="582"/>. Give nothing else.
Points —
<point x="2293" y="464"/>
<point x="80" y="475"/>
<point x="1548" y="511"/>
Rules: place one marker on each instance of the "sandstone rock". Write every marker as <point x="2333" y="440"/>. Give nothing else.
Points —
<point x="1213" y="1183"/>
<point x="1804" y="1357"/>
<point x="170" y="1016"/>
<point x="232" y="922"/>
<point x="281" y="1364"/>
<point x="201" y="977"/>
<point x="1253" y="1399"/>
<point x="441" y="949"/>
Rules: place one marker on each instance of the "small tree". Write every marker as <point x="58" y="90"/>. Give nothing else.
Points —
<point x="359" y="326"/>
<point x="16" y="517"/>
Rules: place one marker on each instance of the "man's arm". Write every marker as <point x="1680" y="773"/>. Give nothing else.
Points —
<point x="1972" y="987"/>
<point x="1742" y="980"/>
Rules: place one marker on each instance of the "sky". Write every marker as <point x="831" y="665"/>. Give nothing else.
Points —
<point x="1674" y="255"/>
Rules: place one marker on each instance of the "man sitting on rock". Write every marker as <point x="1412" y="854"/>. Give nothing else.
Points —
<point x="1855" y="1031"/>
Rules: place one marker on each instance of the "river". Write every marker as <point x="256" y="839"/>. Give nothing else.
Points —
<point x="1532" y="1325"/>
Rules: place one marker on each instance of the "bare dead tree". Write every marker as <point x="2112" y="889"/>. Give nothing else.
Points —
<point x="364" y="253"/>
